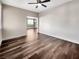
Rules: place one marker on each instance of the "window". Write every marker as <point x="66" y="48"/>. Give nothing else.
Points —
<point x="30" y="22"/>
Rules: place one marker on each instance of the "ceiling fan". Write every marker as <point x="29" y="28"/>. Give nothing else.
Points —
<point x="39" y="2"/>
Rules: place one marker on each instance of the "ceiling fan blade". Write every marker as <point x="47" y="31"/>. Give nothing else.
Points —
<point x="37" y="6"/>
<point x="32" y="3"/>
<point x="45" y="1"/>
<point x="43" y="5"/>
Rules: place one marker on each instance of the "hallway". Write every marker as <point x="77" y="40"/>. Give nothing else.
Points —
<point x="39" y="46"/>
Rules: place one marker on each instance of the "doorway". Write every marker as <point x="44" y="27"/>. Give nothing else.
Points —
<point x="32" y="28"/>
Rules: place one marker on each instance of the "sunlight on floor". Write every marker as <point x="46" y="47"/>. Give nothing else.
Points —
<point x="31" y="35"/>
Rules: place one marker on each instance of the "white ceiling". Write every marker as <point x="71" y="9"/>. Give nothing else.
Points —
<point x="24" y="4"/>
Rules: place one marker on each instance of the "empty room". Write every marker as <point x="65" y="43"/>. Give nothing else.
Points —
<point x="39" y="29"/>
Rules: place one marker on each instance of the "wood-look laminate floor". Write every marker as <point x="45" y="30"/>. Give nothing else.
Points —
<point x="39" y="46"/>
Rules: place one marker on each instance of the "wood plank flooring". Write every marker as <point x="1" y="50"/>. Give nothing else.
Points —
<point x="39" y="46"/>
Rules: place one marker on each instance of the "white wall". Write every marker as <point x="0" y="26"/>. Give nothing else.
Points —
<point x="62" y="21"/>
<point x="0" y="25"/>
<point x="14" y="21"/>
